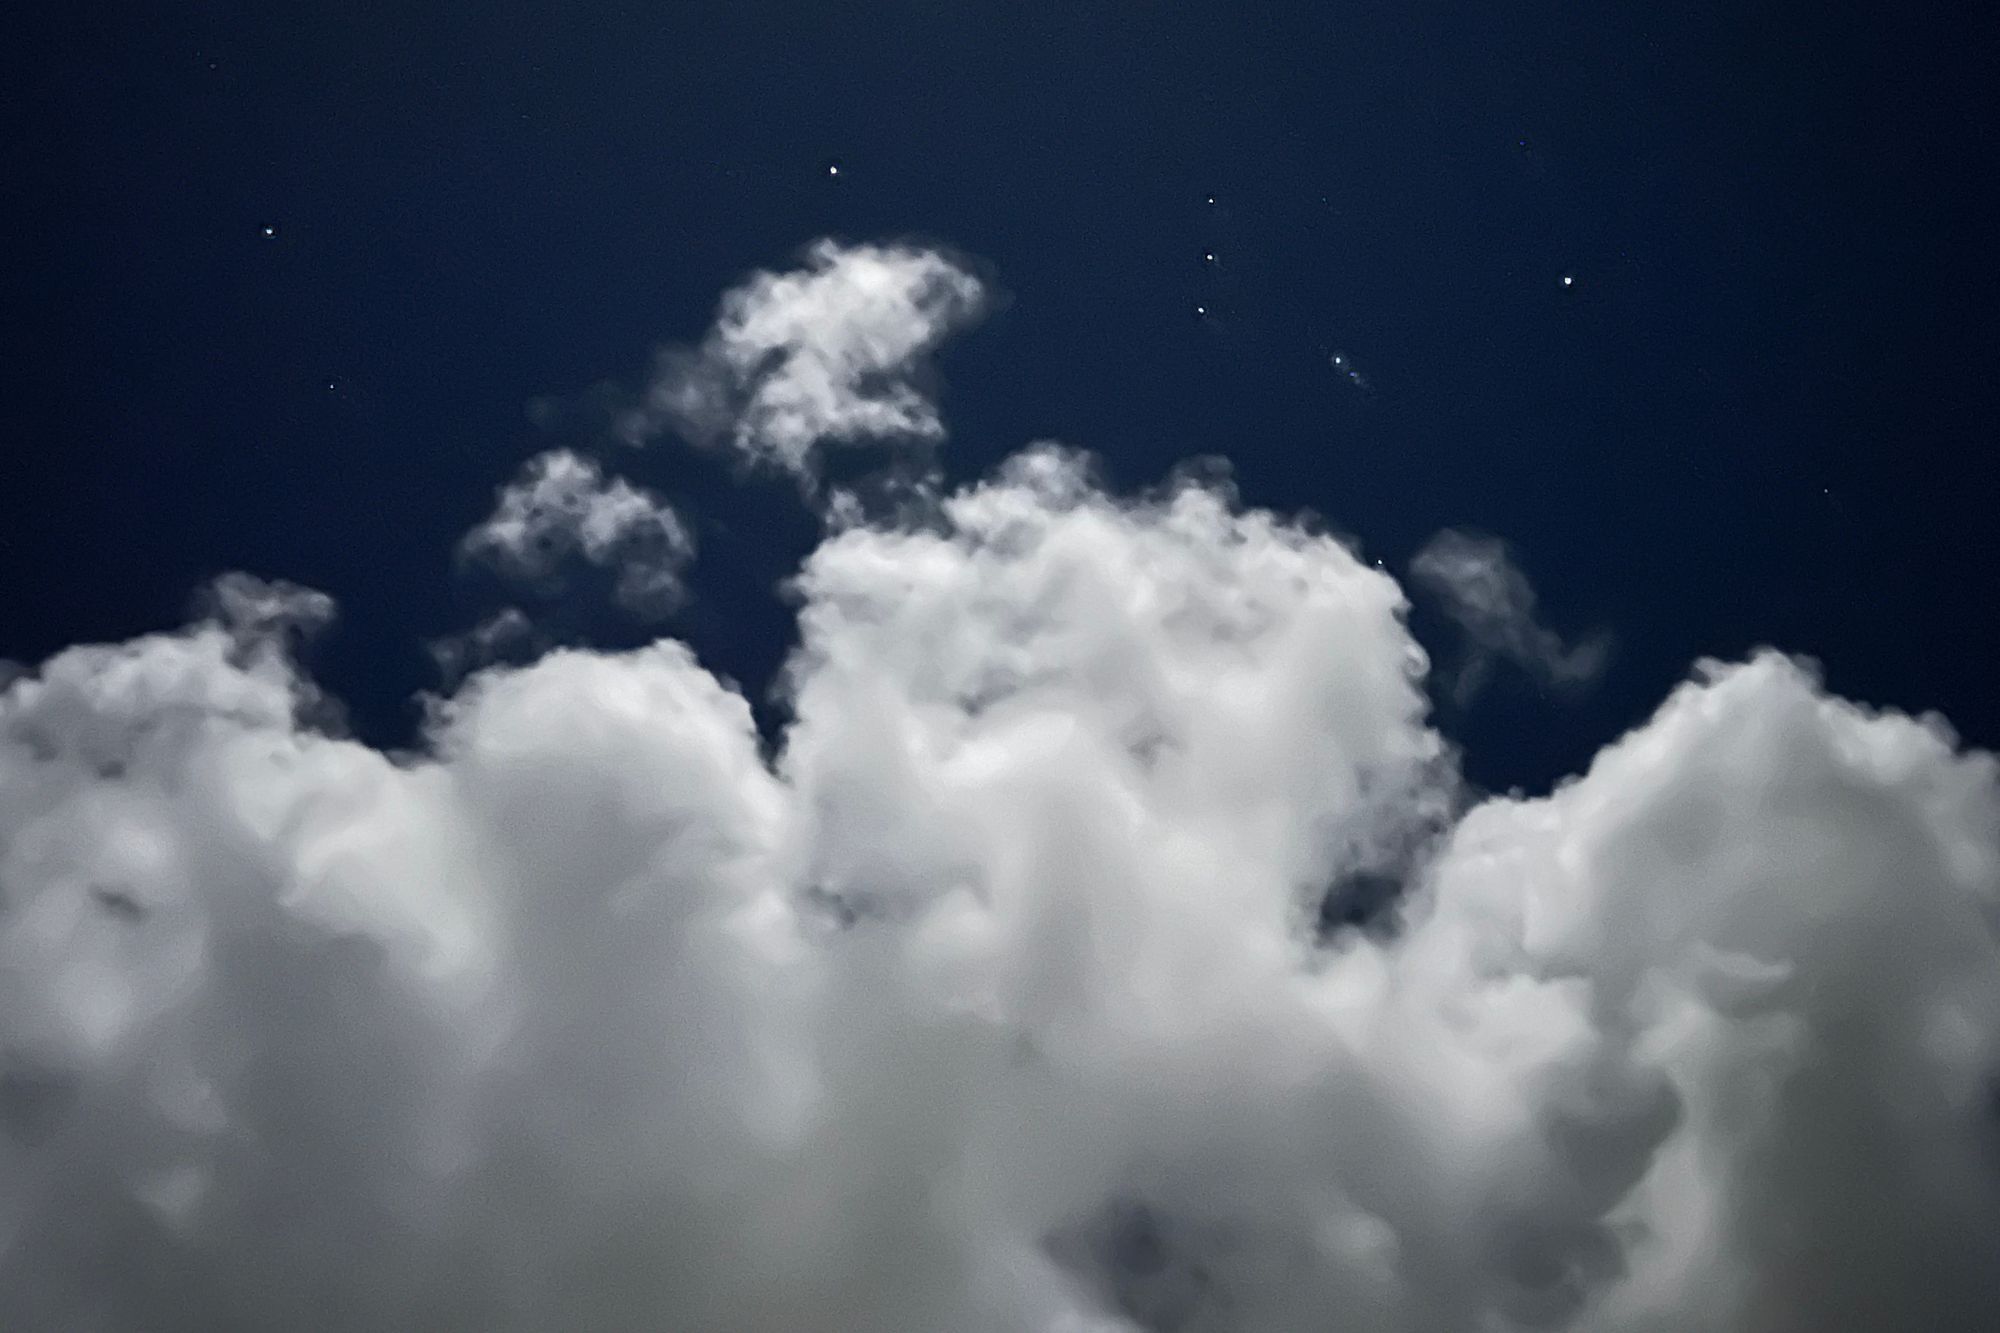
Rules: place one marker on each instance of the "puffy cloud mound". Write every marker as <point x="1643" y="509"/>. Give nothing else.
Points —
<point x="998" y="998"/>
<point x="561" y="507"/>
<point x="1484" y="592"/>
<point x="834" y="351"/>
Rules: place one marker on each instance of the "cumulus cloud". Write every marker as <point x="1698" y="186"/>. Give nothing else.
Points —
<point x="994" y="1000"/>
<point x="1000" y="993"/>
<point x="1478" y="585"/>
<point x="836" y="351"/>
<point x="562" y="507"/>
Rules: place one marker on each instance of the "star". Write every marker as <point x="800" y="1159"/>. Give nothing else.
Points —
<point x="270" y="230"/>
<point x="1211" y="199"/>
<point x="1208" y="256"/>
<point x="833" y="169"/>
<point x="1201" y="310"/>
<point x="1569" y="280"/>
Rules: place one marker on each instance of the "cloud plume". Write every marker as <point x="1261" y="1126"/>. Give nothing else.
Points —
<point x="561" y="507"/>
<point x="835" y="351"/>
<point x="999" y="993"/>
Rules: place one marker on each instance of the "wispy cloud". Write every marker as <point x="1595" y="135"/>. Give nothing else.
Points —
<point x="257" y="608"/>
<point x="507" y="632"/>
<point x="1480" y="588"/>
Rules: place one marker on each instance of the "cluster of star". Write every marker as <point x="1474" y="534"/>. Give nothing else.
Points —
<point x="1209" y="260"/>
<point x="1344" y="366"/>
<point x="1203" y="308"/>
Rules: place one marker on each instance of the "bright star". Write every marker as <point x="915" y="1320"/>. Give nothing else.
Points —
<point x="1569" y="280"/>
<point x="270" y="230"/>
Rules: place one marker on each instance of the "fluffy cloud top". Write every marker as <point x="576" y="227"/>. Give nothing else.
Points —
<point x="1484" y="592"/>
<point x="999" y="995"/>
<point x="835" y="351"/>
<point x="561" y="507"/>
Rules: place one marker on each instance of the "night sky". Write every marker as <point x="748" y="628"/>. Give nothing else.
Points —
<point x="287" y="279"/>
<point x="1000" y="668"/>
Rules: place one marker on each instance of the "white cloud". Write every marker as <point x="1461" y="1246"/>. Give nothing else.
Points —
<point x="1485" y="593"/>
<point x="560" y="1022"/>
<point x="835" y="351"/>
<point x="561" y="506"/>
<point x="994" y="999"/>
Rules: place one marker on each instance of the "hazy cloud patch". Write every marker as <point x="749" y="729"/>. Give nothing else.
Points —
<point x="507" y="633"/>
<point x="1483" y="591"/>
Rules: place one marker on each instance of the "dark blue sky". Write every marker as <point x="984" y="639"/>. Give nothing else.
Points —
<point x="1762" y="413"/>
